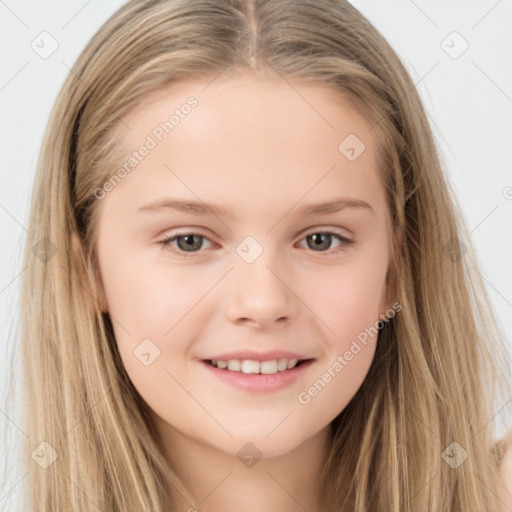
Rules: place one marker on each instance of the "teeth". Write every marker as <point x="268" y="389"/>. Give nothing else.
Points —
<point x="234" y="365"/>
<point x="251" y="366"/>
<point x="282" y="364"/>
<point x="292" y="363"/>
<point x="269" y="367"/>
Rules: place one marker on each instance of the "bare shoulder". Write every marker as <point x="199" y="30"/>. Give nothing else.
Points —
<point x="506" y="473"/>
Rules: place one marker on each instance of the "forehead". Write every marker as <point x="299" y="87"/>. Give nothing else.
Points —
<point x="254" y="104"/>
<point x="242" y="137"/>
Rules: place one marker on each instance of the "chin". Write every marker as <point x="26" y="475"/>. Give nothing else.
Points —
<point x="256" y="447"/>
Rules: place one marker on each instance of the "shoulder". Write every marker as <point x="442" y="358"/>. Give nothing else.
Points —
<point x="506" y="472"/>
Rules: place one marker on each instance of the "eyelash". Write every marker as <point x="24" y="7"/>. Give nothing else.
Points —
<point x="166" y="242"/>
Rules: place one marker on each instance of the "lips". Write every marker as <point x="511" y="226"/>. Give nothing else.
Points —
<point x="260" y="382"/>
<point x="252" y="366"/>
<point x="257" y="356"/>
<point x="267" y="363"/>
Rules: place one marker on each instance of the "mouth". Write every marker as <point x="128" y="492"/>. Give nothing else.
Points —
<point x="258" y="377"/>
<point x="249" y="366"/>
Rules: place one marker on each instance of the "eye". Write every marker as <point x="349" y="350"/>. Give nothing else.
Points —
<point x="189" y="243"/>
<point x="319" y="240"/>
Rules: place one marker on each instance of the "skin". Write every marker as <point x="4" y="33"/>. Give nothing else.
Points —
<point x="261" y="149"/>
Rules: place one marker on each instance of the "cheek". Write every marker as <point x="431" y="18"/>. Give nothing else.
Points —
<point x="148" y="303"/>
<point x="347" y="299"/>
<point x="336" y="383"/>
<point x="349" y="305"/>
<point x="154" y="319"/>
<point x="145" y="298"/>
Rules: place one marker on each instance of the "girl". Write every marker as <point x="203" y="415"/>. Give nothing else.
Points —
<point x="253" y="289"/>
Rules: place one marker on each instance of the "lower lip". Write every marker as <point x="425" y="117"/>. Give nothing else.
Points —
<point x="257" y="382"/>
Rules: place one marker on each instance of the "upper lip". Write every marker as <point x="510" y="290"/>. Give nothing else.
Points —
<point x="257" y="356"/>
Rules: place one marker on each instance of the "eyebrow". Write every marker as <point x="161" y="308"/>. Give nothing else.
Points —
<point x="203" y="209"/>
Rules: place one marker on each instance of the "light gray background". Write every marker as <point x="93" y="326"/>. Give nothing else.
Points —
<point x="469" y="100"/>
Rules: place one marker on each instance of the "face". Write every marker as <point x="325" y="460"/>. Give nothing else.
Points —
<point x="266" y="274"/>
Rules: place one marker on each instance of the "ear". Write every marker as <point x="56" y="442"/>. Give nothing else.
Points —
<point x="505" y="493"/>
<point x="390" y="292"/>
<point x="91" y="283"/>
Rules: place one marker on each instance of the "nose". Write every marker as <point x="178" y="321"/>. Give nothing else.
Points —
<point x="259" y="296"/>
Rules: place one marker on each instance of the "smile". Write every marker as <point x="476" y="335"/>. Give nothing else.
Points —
<point x="250" y="366"/>
<point x="257" y="376"/>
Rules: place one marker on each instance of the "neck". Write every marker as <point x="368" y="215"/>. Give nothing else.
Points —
<point x="218" y="482"/>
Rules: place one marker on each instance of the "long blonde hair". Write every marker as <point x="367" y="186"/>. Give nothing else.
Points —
<point x="440" y="368"/>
